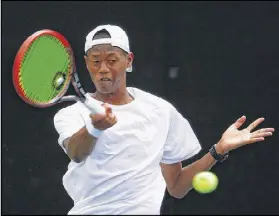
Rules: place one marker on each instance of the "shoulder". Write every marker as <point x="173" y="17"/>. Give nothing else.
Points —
<point x="159" y="103"/>
<point x="149" y="98"/>
<point x="73" y="110"/>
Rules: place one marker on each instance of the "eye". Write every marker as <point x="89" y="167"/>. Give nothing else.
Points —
<point x="96" y="61"/>
<point x="112" y="61"/>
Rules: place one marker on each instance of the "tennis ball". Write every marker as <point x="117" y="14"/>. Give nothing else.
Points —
<point x="205" y="182"/>
<point x="59" y="81"/>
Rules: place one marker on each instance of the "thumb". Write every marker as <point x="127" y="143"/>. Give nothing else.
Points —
<point x="107" y="108"/>
<point x="97" y="117"/>
<point x="239" y="122"/>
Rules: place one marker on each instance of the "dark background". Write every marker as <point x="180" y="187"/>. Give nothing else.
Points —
<point x="228" y="60"/>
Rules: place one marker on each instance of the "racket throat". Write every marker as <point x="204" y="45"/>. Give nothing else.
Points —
<point x="71" y="98"/>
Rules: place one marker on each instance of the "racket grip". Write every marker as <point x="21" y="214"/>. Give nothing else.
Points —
<point x="94" y="107"/>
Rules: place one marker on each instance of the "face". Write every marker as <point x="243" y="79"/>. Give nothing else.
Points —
<point x="107" y="67"/>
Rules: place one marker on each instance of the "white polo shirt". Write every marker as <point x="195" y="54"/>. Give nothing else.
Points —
<point x="122" y="175"/>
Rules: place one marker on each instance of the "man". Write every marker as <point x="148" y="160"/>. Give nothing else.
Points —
<point x="122" y="161"/>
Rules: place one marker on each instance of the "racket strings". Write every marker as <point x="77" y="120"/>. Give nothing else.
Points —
<point x="26" y="58"/>
<point x="44" y="59"/>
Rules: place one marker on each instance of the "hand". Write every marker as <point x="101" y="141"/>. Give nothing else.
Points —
<point x="233" y="138"/>
<point x="103" y="122"/>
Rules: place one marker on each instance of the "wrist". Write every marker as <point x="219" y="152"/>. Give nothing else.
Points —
<point x="91" y="129"/>
<point x="219" y="148"/>
<point x="219" y="155"/>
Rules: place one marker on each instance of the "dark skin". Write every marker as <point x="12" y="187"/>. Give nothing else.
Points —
<point x="102" y="61"/>
<point x="105" y="61"/>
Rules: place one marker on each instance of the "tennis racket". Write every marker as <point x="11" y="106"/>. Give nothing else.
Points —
<point x="43" y="69"/>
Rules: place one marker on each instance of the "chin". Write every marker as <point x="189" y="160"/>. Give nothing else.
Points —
<point x="103" y="90"/>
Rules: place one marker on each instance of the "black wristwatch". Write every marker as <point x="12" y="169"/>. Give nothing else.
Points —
<point x="216" y="156"/>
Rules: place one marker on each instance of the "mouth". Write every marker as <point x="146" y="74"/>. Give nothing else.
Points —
<point x="105" y="79"/>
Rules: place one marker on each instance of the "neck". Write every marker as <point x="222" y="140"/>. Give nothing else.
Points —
<point x="120" y="97"/>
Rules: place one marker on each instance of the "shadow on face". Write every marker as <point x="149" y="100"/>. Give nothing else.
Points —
<point x="107" y="67"/>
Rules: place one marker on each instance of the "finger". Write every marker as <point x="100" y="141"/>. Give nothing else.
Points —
<point x="264" y="130"/>
<point x="100" y="127"/>
<point x="107" y="108"/>
<point x="102" y="123"/>
<point x="111" y="116"/>
<point x="239" y="122"/>
<point x="269" y="130"/>
<point x="97" y="117"/>
<point x="265" y="134"/>
<point x="254" y="124"/>
<point x="105" y="122"/>
<point x="254" y="140"/>
<point x="114" y="120"/>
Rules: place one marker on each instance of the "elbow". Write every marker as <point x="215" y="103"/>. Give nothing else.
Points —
<point x="76" y="159"/>
<point x="74" y="156"/>
<point x="177" y="194"/>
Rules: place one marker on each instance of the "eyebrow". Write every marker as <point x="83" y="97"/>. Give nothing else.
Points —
<point x="110" y="50"/>
<point x="94" y="54"/>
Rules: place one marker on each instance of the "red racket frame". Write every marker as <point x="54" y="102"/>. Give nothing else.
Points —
<point x="19" y="58"/>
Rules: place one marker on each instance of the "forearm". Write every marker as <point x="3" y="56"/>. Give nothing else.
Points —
<point x="184" y="181"/>
<point x="80" y="145"/>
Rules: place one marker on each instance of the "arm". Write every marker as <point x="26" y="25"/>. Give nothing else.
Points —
<point x="78" y="145"/>
<point x="179" y="180"/>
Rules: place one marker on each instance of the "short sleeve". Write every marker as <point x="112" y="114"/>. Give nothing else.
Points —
<point x="67" y="122"/>
<point x="181" y="143"/>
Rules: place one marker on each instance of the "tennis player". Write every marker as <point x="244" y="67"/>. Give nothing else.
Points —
<point x="122" y="162"/>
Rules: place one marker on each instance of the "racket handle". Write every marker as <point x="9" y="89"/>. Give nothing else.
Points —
<point x="94" y="107"/>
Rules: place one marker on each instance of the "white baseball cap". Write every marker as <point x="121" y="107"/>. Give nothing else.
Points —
<point x="118" y="38"/>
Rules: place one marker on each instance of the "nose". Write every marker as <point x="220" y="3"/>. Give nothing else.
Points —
<point x="103" y="69"/>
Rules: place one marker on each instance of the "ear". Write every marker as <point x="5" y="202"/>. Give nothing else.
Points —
<point x="85" y="59"/>
<point x="130" y="59"/>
